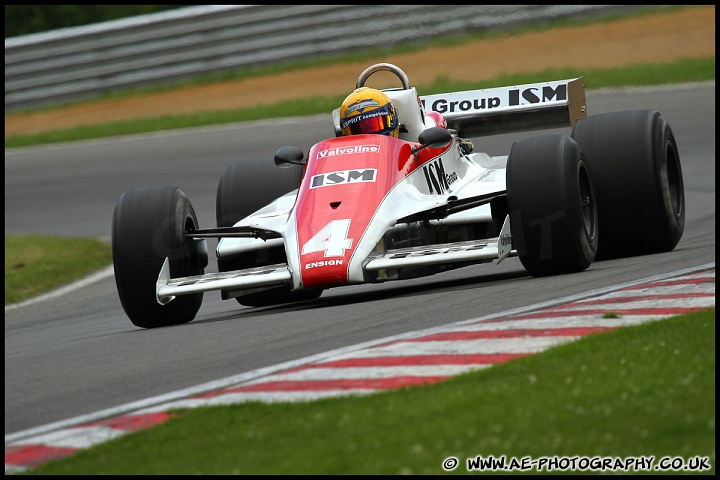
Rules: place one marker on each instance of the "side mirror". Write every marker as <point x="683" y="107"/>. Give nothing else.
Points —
<point x="435" y="137"/>
<point x="288" y="156"/>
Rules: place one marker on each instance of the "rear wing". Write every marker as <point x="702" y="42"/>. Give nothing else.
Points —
<point x="492" y="111"/>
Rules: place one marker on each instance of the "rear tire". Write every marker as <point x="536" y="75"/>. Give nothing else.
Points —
<point x="638" y="181"/>
<point x="149" y="224"/>
<point x="244" y="188"/>
<point x="552" y="208"/>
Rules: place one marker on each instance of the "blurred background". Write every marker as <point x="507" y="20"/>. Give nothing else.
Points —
<point x="61" y="53"/>
<point x="27" y="19"/>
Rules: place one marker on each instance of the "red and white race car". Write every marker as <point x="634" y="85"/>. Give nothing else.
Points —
<point x="372" y="208"/>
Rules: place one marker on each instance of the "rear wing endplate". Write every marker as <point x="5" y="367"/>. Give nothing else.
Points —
<point x="492" y="111"/>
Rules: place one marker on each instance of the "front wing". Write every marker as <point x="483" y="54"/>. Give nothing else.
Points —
<point x="279" y="274"/>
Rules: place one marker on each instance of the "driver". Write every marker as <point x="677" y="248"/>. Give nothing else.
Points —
<point x="367" y="110"/>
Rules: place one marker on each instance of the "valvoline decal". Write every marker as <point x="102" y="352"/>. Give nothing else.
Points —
<point x="346" y="178"/>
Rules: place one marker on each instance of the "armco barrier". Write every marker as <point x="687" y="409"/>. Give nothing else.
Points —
<point x="83" y="62"/>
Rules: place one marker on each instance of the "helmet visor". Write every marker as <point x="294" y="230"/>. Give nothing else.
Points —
<point x="379" y="120"/>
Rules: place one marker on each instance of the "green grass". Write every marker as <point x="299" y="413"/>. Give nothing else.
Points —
<point x="684" y="70"/>
<point x="646" y="390"/>
<point x="35" y="264"/>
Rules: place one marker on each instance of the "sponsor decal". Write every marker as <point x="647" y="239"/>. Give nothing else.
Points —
<point x="332" y="152"/>
<point x="437" y="251"/>
<point x="343" y="176"/>
<point x="443" y="105"/>
<point x="505" y="240"/>
<point x="512" y="97"/>
<point x="364" y="116"/>
<point x="361" y="105"/>
<point x="537" y="95"/>
<point x="437" y="180"/>
<point x="323" y="263"/>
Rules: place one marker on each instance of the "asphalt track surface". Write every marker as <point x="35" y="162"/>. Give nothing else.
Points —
<point x="77" y="353"/>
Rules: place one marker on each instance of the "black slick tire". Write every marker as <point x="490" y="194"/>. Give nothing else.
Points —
<point x="149" y="225"/>
<point x="638" y="180"/>
<point x="551" y="203"/>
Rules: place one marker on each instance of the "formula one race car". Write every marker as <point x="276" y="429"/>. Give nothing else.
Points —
<point x="372" y="208"/>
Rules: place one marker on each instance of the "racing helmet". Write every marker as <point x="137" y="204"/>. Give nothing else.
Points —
<point x="367" y="110"/>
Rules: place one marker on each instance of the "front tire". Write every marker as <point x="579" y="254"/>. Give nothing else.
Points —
<point x="638" y="180"/>
<point x="552" y="208"/>
<point x="149" y="225"/>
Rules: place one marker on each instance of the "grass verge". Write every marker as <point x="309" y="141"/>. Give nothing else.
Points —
<point x="35" y="264"/>
<point x="646" y="390"/>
